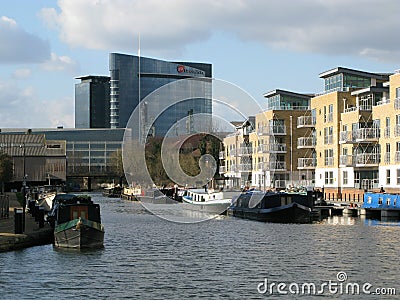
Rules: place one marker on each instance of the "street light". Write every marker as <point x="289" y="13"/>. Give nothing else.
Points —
<point x="23" y="188"/>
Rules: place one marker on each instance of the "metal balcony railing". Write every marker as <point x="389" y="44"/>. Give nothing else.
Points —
<point x="367" y="134"/>
<point x="272" y="130"/>
<point x="306" y="142"/>
<point x="272" y="148"/>
<point x="304" y="163"/>
<point x="346" y="137"/>
<point x="306" y="121"/>
<point x="367" y="159"/>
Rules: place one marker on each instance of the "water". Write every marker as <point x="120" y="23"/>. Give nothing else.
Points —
<point x="146" y="257"/>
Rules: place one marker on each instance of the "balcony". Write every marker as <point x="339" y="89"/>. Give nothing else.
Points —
<point x="346" y="137"/>
<point x="306" y="121"/>
<point x="383" y="102"/>
<point x="367" y="135"/>
<point x="245" y="167"/>
<point x="272" y="130"/>
<point x="272" y="166"/>
<point x="367" y="159"/>
<point x="277" y="166"/>
<point x="233" y="153"/>
<point x="346" y="160"/>
<point x="306" y="142"/>
<point x="272" y="148"/>
<point x="244" y="151"/>
<point x="306" y="163"/>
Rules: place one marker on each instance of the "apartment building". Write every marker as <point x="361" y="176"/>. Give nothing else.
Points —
<point x="236" y="156"/>
<point x="347" y="131"/>
<point x="265" y="156"/>
<point x="345" y="140"/>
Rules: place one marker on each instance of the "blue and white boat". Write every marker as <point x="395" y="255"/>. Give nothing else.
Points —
<point x="381" y="201"/>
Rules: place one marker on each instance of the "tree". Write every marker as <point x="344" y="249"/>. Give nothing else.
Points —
<point x="6" y="169"/>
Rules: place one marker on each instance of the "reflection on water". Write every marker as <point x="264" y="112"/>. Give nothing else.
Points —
<point x="147" y="257"/>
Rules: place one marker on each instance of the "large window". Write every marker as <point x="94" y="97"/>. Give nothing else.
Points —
<point x="328" y="135"/>
<point x="345" y="177"/>
<point x="329" y="177"/>
<point x="328" y="157"/>
<point x="334" y="83"/>
<point x="330" y="113"/>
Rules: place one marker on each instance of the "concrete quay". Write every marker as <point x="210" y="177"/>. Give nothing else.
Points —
<point x="32" y="236"/>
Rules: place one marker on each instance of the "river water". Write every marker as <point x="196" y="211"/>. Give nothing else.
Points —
<point x="147" y="257"/>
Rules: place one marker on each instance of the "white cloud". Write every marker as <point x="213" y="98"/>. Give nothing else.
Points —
<point x="20" y="107"/>
<point x="19" y="46"/>
<point x="328" y="27"/>
<point x="22" y="73"/>
<point x="60" y="63"/>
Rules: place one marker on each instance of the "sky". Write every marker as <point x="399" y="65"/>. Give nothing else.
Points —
<point x="256" y="45"/>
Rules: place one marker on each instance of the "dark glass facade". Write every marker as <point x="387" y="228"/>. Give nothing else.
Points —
<point x="92" y="102"/>
<point x="127" y="86"/>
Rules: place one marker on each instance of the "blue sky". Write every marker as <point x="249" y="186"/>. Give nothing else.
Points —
<point x="257" y="45"/>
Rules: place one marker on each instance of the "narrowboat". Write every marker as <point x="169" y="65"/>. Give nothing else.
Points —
<point x="76" y="221"/>
<point x="276" y="207"/>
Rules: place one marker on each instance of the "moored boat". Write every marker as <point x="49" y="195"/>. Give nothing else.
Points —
<point x="210" y="201"/>
<point x="277" y="207"/>
<point x="76" y="221"/>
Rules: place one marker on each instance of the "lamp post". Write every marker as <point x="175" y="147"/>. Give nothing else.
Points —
<point x="23" y="188"/>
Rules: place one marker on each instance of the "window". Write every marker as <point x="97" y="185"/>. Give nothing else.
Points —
<point x="388" y="176"/>
<point x="398" y="176"/>
<point x="345" y="177"/>
<point x="325" y="116"/>
<point x="387" y="201"/>
<point x="387" y="154"/>
<point x="328" y="135"/>
<point x="328" y="157"/>
<point x="330" y="113"/>
<point x="329" y="177"/>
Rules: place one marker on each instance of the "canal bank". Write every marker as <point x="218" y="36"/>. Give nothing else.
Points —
<point x="32" y="236"/>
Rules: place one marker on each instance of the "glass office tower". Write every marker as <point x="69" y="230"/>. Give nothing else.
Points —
<point x="92" y="102"/>
<point x="128" y="85"/>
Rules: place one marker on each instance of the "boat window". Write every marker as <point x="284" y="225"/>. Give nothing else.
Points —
<point x="74" y="215"/>
<point x="369" y="199"/>
<point x="283" y="201"/>
<point x="388" y="201"/>
<point x="394" y="202"/>
<point x="380" y="200"/>
<point x="288" y="200"/>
